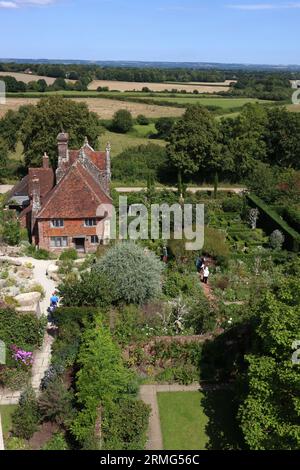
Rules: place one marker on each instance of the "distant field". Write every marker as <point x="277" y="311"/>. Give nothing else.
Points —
<point x="138" y="86"/>
<point x="26" y="77"/>
<point x="294" y="108"/>
<point x="105" y="108"/>
<point x="225" y="103"/>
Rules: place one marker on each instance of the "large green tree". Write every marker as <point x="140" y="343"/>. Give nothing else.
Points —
<point x="193" y="143"/>
<point x="243" y="142"/>
<point x="52" y="114"/>
<point x="270" y="415"/>
<point x="282" y="138"/>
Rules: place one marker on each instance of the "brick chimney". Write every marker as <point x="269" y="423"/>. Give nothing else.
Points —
<point x="36" y="195"/>
<point x="62" y="143"/>
<point x="108" y="161"/>
<point x="46" y="161"/>
<point x="63" y="155"/>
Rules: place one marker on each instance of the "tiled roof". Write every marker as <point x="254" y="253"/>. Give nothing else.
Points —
<point x="78" y="195"/>
<point x="46" y="178"/>
<point x="98" y="158"/>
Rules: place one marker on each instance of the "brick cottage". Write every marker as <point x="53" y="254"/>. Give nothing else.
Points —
<point x="59" y="209"/>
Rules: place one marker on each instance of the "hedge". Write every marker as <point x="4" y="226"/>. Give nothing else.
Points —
<point x="67" y="315"/>
<point x="271" y="220"/>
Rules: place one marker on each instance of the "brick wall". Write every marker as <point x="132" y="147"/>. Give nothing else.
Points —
<point x="72" y="229"/>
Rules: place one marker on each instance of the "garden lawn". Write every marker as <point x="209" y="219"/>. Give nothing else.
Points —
<point x="198" y="421"/>
<point x="6" y="412"/>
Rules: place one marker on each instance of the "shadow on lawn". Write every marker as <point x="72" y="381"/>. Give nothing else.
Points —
<point x="222" y="429"/>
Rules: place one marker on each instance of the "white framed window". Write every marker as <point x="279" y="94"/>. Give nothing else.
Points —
<point x="59" y="242"/>
<point x="95" y="240"/>
<point x="90" y="222"/>
<point x="57" y="223"/>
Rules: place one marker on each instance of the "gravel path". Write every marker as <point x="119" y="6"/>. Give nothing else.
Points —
<point x="42" y="357"/>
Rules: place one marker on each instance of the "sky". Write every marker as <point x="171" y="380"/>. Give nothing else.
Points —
<point x="228" y="31"/>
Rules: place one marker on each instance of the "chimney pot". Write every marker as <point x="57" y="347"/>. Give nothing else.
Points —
<point x="45" y="161"/>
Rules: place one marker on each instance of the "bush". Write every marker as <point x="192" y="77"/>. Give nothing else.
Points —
<point x="38" y="254"/>
<point x="122" y="121"/>
<point x="142" y="120"/>
<point x="277" y="240"/>
<point x="134" y="275"/>
<point x="10" y="230"/>
<point x="92" y="289"/>
<point x="26" y="417"/>
<point x="164" y="127"/>
<point x="55" y="403"/>
<point x="13" y="378"/>
<point x="138" y="163"/>
<point x="26" y="331"/>
<point x="233" y="204"/>
<point x="125" y="425"/>
<point x="69" y="255"/>
<point x="215" y="244"/>
<point x="57" y="442"/>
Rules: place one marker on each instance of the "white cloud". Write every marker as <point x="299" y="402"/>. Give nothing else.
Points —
<point x="22" y="3"/>
<point x="265" y="6"/>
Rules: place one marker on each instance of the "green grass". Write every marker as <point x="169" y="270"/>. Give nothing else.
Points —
<point x="120" y="142"/>
<point x="6" y="412"/>
<point x="224" y="103"/>
<point x="198" y="421"/>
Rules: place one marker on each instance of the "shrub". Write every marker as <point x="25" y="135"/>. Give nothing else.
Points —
<point x="26" y="417"/>
<point x="233" y="204"/>
<point x="164" y="127"/>
<point x="138" y="163"/>
<point x="57" y="442"/>
<point x="10" y="230"/>
<point x="142" y="120"/>
<point x="92" y="289"/>
<point x="134" y="275"/>
<point x="122" y="121"/>
<point x="69" y="255"/>
<point x="125" y="425"/>
<point x="13" y="378"/>
<point x="277" y="240"/>
<point x="55" y="403"/>
<point x="26" y="331"/>
<point x="38" y="254"/>
<point x="215" y="243"/>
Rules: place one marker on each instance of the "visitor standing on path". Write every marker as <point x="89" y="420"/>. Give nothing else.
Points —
<point x="205" y="274"/>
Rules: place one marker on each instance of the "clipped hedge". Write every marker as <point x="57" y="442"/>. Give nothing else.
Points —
<point x="271" y="220"/>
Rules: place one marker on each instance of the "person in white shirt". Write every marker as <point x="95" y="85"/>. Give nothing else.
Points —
<point x="205" y="274"/>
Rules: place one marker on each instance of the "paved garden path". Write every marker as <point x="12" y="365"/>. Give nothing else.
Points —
<point x="42" y="357"/>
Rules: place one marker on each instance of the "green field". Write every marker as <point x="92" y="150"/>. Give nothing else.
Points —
<point x="137" y="136"/>
<point x="198" y="421"/>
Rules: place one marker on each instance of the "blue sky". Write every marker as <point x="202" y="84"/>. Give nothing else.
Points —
<point x="250" y="31"/>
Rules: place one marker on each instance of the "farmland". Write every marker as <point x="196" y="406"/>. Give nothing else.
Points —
<point x="157" y="87"/>
<point x="105" y="108"/>
<point x="26" y="77"/>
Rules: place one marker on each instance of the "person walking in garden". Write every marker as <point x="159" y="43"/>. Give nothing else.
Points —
<point x="205" y="274"/>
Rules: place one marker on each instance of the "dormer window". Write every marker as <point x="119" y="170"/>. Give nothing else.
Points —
<point x="90" y="222"/>
<point x="57" y="223"/>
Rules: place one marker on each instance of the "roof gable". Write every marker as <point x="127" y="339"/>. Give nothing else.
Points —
<point x="78" y="195"/>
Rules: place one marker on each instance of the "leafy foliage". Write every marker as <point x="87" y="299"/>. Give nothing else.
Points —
<point x="134" y="276"/>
